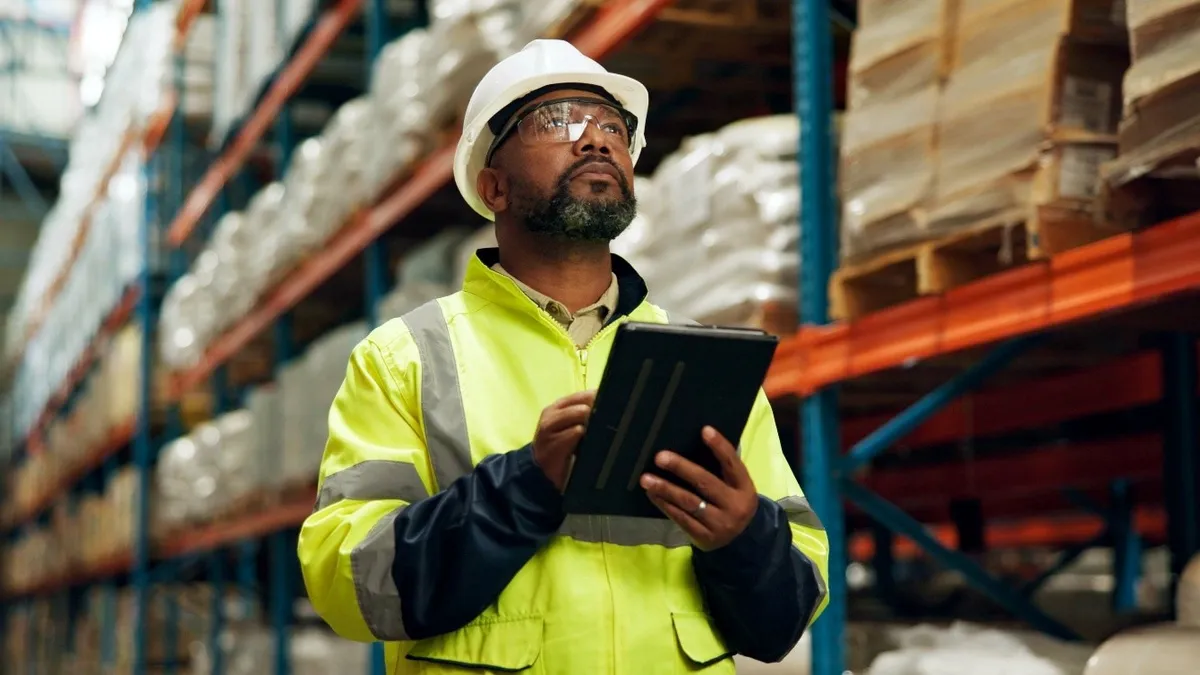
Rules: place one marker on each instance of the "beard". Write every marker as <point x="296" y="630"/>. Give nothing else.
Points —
<point x="569" y="218"/>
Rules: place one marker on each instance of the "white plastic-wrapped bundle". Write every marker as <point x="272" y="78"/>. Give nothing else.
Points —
<point x="733" y="196"/>
<point x="325" y="364"/>
<point x="181" y="344"/>
<point x="174" y="484"/>
<point x="315" y="651"/>
<point x="303" y="221"/>
<point x="263" y="404"/>
<point x="457" y="57"/>
<point x="425" y="273"/>
<point x="540" y="17"/>
<point x="295" y="437"/>
<point x="349" y="141"/>
<point x="233" y="243"/>
<point x="272" y="249"/>
<point x="402" y="120"/>
<point x="929" y="650"/>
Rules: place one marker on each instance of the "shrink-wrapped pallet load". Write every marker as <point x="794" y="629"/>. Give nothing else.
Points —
<point x="325" y="365"/>
<point x="898" y="55"/>
<point x="263" y="404"/>
<point x="1029" y="110"/>
<point x="733" y="195"/>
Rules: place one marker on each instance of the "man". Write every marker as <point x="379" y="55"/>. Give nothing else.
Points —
<point x="439" y="526"/>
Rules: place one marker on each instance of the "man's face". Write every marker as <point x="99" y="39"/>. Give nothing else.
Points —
<point x="578" y="190"/>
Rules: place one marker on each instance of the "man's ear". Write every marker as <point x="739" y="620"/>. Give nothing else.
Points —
<point x="492" y="186"/>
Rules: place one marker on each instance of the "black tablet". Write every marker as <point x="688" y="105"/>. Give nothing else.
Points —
<point x="662" y="384"/>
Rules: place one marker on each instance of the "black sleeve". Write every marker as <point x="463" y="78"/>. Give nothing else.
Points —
<point x="760" y="589"/>
<point x="457" y="550"/>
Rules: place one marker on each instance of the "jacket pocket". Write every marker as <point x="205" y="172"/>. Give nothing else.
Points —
<point x="507" y="645"/>
<point x="698" y="638"/>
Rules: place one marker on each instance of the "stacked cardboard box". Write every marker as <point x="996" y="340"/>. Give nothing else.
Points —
<point x="962" y="111"/>
<point x="898" y="56"/>
<point x="1029" y="110"/>
<point x="1160" y="126"/>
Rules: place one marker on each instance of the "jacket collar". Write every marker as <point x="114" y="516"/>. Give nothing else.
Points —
<point x="487" y="283"/>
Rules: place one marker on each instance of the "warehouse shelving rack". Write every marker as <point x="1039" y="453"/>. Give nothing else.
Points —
<point x="1101" y="279"/>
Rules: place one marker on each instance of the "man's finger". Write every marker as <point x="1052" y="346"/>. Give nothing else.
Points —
<point x="706" y="484"/>
<point x="686" y="521"/>
<point x="735" y="472"/>
<point x="567" y="417"/>
<point x="667" y="491"/>
<point x="587" y="396"/>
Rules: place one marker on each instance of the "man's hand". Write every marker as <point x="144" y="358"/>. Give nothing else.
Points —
<point x="720" y="508"/>
<point x="558" y="432"/>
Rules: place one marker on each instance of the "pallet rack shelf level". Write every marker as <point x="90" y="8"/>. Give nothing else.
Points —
<point x="1111" y="275"/>
<point x="612" y="25"/>
<point x="289" y="80"/>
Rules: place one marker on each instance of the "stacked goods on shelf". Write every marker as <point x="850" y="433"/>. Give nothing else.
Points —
<point x="1160" y="127"/>
<point x="107" y="263"/>
<point x="243" y="459"/>
<point x="217" y="464"/>
<point x="888" y="148"/>
<point x="733" y="194"/>
<point x="975" y="143"/>
<point x="249" y="649"/>
<point x="96" y="530"/>
<point x="134" y="90"/>
<point x="255" y="37"/>
<point x="421" y="82"/>
<point x="1028" y="114"/>
<point x="307" y="387"/>
<point x="425" y="273"/>
<point x="101" y="418"/>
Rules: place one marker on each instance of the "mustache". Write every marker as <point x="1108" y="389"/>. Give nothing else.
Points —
<point x="564" y="180"/>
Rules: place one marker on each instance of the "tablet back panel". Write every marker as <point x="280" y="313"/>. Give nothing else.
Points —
<point x="662" y="384"/>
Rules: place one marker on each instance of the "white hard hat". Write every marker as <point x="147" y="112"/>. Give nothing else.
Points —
<point x="540" y="64"/>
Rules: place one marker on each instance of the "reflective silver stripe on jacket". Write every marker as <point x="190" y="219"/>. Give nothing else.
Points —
<point x="372" y="479"/>
<point x="623" y="531"/>
<point x="799" y="512"/>
<point x="374" y="587"/>
<point x="446" y="438"/>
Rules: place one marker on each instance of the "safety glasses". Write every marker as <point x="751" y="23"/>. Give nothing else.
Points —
<point x="564" y="121"/>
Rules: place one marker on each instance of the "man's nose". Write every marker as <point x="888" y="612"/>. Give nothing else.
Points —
<point x="593" y="140"/>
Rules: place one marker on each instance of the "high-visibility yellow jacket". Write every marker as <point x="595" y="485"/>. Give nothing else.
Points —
<point x="435" y="532"/>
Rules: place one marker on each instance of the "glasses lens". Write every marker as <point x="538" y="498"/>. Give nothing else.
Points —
<point x="565" y="122"/>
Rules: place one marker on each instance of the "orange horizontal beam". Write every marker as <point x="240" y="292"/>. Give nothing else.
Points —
<point x="613" y="24"/>
<point x="1050" y="468"/>
<point x="289" y="514"/>
<point x="1114" y="274"/>
<point x="118" y="438"/>
<point x="1121" y="384"/>
<point x="1149" y="522"/>
<point x="331" y="24"/>
<point x="109" y="567"/>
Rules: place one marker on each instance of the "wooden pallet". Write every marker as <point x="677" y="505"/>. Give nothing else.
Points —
<point x="1007" y="240"/>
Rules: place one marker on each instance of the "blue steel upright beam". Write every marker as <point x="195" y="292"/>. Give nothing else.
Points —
<point x="142" y="446"/>
<point x="379" y="32"/>
<point x="279" y="554"/>
<point x="927" y="406"/>
<point x="1181" y="452"/>
<point x="813" y="60"/>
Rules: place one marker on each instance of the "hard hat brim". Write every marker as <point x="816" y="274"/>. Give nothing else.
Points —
<point x="473" y="145"/>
